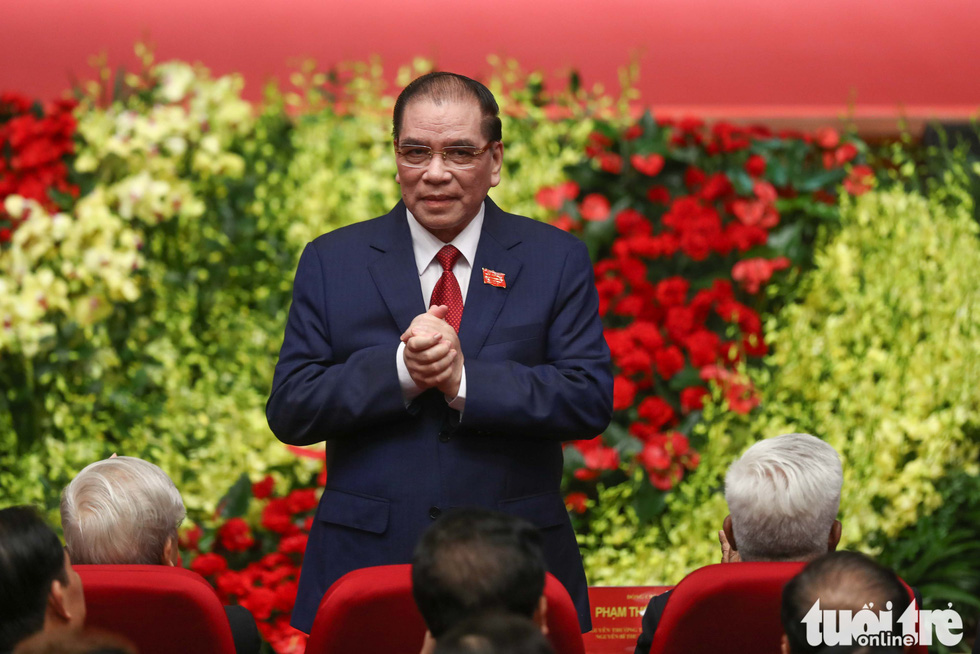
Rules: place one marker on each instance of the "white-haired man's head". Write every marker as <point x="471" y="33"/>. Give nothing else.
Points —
<point x="783" y="496"/>
<point x="122" y="510"/>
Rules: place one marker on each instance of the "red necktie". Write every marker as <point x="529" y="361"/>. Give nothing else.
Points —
<point x="446" y="290"/>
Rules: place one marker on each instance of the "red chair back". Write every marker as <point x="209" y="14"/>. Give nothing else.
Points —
<point x="372" y="610"/>
<point x="726" y="607"/>
<point x="160" y="608"/>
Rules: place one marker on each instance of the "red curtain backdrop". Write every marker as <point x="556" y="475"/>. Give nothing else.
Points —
<point x="713" y="57"/>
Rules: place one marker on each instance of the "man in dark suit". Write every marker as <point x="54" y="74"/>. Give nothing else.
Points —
<point x="463" y="404"/>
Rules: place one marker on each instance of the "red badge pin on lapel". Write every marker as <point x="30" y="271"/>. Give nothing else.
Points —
<point x="494" y="278"/>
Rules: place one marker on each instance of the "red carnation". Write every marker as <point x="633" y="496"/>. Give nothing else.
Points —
<point x="845" y="153"/>
<point x="658" y="194"/>
<point x="703" y="347"/>
<point x="259" y="602"/>
<point x="650" y="164"/>
<point x="277" y="517"/>
<point x="694" y="177"/>
<point x="576" y="502"/>
<point x="630" y="222"/>
<point x="656" y="411"/>
<point x="594" y="207"/>
<point x="624" y="392"/>
<point x="263" y="489"/>
<point x="860" y="180"/>
<point x="295" y="544"/>
<point x="611" y="163"/>
<point x="756" y="165"/>
<point x="692" y="399"/>
<point x="632" y="132"/>
<point x="672" y="291"/>
<point x="827" y="138"/>
<point x="654" y="457"/>
<point x="669" y="361"/>
<point x="235" y="535"/>
<point x="209" y="564"/>
<point x="189" y="538"/>
<point x="301" y="500"/>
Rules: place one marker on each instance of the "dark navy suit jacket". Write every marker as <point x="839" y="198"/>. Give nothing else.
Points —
<point x="537" y="373"/>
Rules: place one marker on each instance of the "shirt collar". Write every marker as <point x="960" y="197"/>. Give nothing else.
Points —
<point x="426" y="246"/>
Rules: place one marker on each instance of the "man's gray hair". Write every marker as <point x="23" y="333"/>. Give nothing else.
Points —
<point x="783" y="496"/>
<point x="120" y="510"/>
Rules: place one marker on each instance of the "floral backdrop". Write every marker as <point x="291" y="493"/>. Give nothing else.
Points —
<point x="751" y="283"/>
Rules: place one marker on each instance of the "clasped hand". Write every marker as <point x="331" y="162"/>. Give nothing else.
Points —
<point x="433" y="355"/>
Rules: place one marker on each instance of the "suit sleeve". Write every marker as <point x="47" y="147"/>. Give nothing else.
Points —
<point x="314" y="396"/>
<point x="568" y="398"/>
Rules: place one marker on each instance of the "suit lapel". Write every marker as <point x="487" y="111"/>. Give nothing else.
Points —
<point x="484" y="301"/>
<point x="395" y="274"/>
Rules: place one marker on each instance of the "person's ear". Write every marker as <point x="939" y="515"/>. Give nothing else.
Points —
<point x="171" y="553"/>
<point x="57" y="606"/>
<point x="397" y="180"/>
<point x="497" y="162"/>
<point x="729" y="531"/>
<point x="784" y="645"/>
<point x="834" y="538"/>
<point x="540" y="616"/>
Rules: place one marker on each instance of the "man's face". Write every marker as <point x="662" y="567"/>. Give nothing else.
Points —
<point x="445" y="200"/>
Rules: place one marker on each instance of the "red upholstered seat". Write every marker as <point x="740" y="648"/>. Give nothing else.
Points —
<point x="372" y="610"/>
<point x="730" y="607"/>
<point x="727" y="607"/>
<point x="161" y="609"/>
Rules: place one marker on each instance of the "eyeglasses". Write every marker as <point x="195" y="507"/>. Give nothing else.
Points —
<point x="458" y="157"/>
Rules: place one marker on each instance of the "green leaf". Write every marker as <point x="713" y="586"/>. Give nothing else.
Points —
<point x="235" y="503"/>
<point x="648" y="502"/>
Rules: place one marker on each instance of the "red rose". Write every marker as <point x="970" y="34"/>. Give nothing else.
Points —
<point x="576" y="502"/>
<point x="669" y="361"/>
<point x="597" y="456"/>
<point x="679" y="445"/>
<point x="656" y="411"/>
<point x="756" y="166"/>
<point x="649" y="164"/>
<point x="624" y="391"/>
<point x="741" y="398"/>
<point x="235" y="535"/>
<point x="692" y="399"/>
<point x="263" y="489"/>
<point x="594" y="207"/>
<point x="209" y="564"/>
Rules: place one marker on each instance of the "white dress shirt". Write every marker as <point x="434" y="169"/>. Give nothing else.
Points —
<point x="426" y="247"/>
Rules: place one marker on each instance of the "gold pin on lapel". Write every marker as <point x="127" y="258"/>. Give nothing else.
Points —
<point x="494" y="278"/>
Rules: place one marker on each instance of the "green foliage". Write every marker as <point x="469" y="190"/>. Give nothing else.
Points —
<point x="880" y="357"/>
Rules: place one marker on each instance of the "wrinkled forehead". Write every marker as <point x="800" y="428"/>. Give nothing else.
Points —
<point x="442" y="121"/>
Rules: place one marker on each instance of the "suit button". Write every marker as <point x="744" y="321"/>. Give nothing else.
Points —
<point x="434" y="512"/>
<point x="445" y="436"/>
